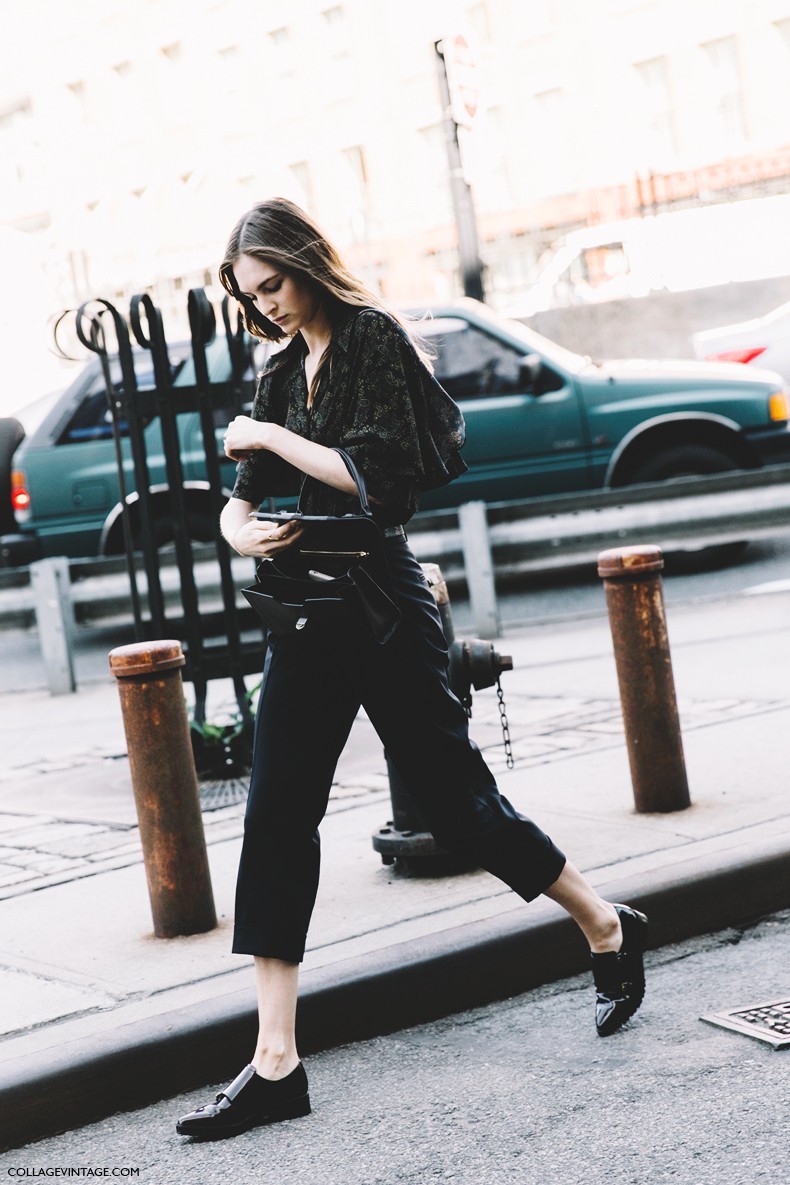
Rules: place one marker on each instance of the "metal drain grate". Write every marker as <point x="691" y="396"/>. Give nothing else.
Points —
<point x="767" y="1022"/>
<point x="225" y="792"/>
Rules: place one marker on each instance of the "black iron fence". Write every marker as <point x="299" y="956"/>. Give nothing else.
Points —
<point x="228" y="645"/>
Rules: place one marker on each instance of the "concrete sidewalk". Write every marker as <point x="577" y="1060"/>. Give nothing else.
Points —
<point x="101" y="1016"/>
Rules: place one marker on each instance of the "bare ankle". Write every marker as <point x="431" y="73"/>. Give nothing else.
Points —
<point x="274" y="1063"/>
<point x="607" y="934"/>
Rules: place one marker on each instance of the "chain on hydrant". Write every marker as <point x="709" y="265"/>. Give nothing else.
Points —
<point x="500" y="695"/>
<point x="473" y="664"/>
<point x="165" y="786"/>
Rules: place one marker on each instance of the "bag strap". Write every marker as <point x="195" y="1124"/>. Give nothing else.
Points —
<point x="356" y="476"/>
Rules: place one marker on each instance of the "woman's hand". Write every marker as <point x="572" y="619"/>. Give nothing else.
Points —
<point x="243" y="436"/>
<point x="265" y="539"/>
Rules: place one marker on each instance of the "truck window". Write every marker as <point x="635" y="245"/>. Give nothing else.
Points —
<point x="92" y="419"/>
<point x="468" y="362"/>
<point x="603" y="264"/>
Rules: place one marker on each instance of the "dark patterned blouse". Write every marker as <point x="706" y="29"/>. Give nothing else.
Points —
<point x="378" y="401"/>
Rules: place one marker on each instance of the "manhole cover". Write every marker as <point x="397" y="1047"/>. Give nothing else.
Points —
<point x="225" y="792"/>
<point x="767" y="1022"/>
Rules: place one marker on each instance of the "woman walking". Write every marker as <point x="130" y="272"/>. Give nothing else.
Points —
<point x="351" y="377"/>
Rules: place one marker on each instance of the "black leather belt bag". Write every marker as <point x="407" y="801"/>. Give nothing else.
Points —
<point x="337" y="567"/>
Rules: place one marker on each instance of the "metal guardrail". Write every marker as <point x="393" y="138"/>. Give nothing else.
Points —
<point x="478" y="543"/>
<point x="484" y="543"/>
<point x="698" y="510"/>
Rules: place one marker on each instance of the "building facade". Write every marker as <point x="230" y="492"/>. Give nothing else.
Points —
<point x="132" y="135"/>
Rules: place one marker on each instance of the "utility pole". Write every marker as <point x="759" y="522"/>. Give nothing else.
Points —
<point x="459" y="104"/>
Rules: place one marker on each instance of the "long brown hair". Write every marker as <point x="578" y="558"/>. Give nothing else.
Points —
<point x="280" y="233"/>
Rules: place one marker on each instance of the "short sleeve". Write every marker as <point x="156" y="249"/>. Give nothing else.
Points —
<point x="264" y="474"/>
<point x="401" y="427"/>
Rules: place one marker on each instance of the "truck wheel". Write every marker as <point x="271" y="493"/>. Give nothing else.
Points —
<point x="684" y="460"/>
<point x="693" y="460"/>
<point x="198" y="529"/>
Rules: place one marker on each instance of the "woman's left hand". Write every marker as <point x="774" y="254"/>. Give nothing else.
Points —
<point x="265" y="539"/>
<point x="243" y="436"/>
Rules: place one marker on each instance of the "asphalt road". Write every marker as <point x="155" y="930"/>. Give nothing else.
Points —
<point x="540" y="597"/>
<point x="519" y="1093"/>
<point x="578" y="591"/>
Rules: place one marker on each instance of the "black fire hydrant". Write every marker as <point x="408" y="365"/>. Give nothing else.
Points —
<point x="474" y="663"/>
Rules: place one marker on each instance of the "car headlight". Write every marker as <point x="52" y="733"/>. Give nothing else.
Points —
<point x="778" y="407"/>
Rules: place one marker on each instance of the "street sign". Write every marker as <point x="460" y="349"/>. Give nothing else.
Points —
<point x="462" y="79"/>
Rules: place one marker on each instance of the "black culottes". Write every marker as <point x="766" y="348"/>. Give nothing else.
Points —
<point x="313" y="685"/>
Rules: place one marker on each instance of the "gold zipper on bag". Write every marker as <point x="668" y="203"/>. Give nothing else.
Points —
<point x="355" y="554"/>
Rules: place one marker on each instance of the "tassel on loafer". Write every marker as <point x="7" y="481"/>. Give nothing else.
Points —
<point x="619" y="976"/>
<point x="248" y="1102"/>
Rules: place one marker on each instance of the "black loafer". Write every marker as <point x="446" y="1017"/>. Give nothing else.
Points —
<point x="619" y="976"/>
<point x="248" y="1102"/>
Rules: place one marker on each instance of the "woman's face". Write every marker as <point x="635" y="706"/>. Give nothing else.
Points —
<point x="287" y="300"/>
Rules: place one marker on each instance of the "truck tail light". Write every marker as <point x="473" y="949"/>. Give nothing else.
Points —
<point x="748" y="354"/>
<point x="20" y="496"/>
<point x="778" y="406"/>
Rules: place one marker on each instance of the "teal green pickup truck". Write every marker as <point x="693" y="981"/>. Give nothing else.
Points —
<point x="540" y="419"/>
<point x="63" y="481"/>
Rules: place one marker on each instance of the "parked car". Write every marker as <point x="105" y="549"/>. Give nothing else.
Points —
<point x="762" y="341"/>
<point x="541" y="420"/>
<point x="674" y="251"/>
<point x="63" y="480"/>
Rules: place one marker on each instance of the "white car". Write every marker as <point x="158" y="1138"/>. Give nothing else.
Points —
<point x="764" y="341"/>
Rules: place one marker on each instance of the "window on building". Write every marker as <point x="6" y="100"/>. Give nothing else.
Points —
<point x="300" y="171"/>
<point x="355" y="159"/>
<point x="336" y="31"/>
<point x="14" y="138"/>
<point x="485" y="154"/>
<point x="509" y="261"/>
<point x="725" y="89"/>
<point x="355" y="189"/>
<point x="15" y="115"/>
<point x="230" y="74"/>
<point x="481" y="23"/>
<point x="555" y="167"/>
<point x="281" y="42"/>
<point x="658" y="123"/>
<point x="77" y="91"/>
<point x="432" y="169"/>
<point x="783" y="29"/>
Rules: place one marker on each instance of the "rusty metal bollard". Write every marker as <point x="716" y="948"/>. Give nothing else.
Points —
<point x="473" y="663"/>
<point x="635" y="600"/>
<point x="165" y="786"/>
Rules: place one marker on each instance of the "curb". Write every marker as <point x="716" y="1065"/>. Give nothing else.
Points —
<point x="407" y="984"/>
